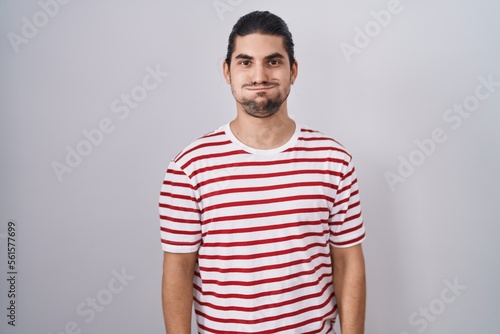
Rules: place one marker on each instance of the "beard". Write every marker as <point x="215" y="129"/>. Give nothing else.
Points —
<point x="266" y="107"/>
<point x="262" y="109"/>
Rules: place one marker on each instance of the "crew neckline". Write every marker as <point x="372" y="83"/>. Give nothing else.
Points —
<point x="264" y="152"/>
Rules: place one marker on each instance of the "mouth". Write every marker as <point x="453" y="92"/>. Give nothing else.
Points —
<point x="260" y="87"/>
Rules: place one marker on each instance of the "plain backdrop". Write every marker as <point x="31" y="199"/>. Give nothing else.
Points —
<point x="411" y="88"/>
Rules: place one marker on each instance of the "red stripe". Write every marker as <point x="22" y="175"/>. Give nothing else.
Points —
<point x="348" y="174"/>
<point x="207" y="282"/>
<point x="356" y="216"/>
<point x="309" y="130"/>
<point x="266" y="188"/>
<point x="319" y="138"/>
<point x="316" y="138"/>
<point x="268" y="175"/>
<point x="179" y="220"/>
<point x="178" y="184"/>
<point x="280" y="329"/>
<point x="265" y="306"/>
<point x="267" y="201"/>
<point x="175" y="172"/>
<point x="324" y="322"/>
<point x="349" y="230"/>
<point x="264" y="268"/>
<point x="353" y="205"/>
<point x="349" y="208"/>
<point x="352" y="241"/>
<point x="263" y="242"/>
<point x="208" y="144"/>
<point x="264" y="214"/>
<point x="347" y="199"/>
<point x="310" y="321"/>
<point x="178" y="243"/>
<point x="177" y="196"/>
<point x="273" y="253"/>
<point x="211" y="156"/>
<point x="267" y="319"/>
<point x="265" y="227"/>
<point x="179" y="232"/>
<point x="264" y="293"/>
<point x="267" y="163"/>
<point x="214" y="134"/>
<point x="348" y="187"/>
<point x="316" y="149"/>
<point x="178" y="208"/>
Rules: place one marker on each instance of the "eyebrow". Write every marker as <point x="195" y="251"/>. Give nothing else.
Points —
<point x="271" y="56"/>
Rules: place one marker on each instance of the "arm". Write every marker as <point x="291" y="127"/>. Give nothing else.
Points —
<point x="350" y="287"/>
<point x="177" y="291"/>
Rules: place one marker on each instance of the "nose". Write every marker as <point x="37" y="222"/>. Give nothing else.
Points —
<point x="259" y="75"/>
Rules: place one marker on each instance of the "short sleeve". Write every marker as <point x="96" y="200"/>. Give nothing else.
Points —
<point x="179" y="213"/>
<point x="346" y="221"/>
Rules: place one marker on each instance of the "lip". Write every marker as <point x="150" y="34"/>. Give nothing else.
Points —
<point x="261" y="88"/>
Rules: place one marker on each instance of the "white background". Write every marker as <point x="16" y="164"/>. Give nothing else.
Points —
<point x="76" y="231"/>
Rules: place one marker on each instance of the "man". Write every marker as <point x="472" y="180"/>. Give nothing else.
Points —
<point x="261" y="219"/>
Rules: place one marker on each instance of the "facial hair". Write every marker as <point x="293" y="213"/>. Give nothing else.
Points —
<point x="264" y="108"/>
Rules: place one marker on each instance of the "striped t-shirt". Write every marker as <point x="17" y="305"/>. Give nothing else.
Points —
<point x="262" y="222"/>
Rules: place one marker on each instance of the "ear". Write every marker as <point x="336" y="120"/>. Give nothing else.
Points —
<point x="227" y="73"/>
<point x="294" y="71"/>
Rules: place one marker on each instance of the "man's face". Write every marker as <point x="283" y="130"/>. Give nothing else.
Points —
<point x="260" y="74"/>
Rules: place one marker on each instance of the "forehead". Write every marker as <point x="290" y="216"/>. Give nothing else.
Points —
<point x="259" y="45"/>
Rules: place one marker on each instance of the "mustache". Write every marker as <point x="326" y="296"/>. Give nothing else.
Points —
<point x="262" y="84"/>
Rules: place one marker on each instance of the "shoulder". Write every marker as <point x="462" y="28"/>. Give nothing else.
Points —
<point x="206" y="144"/>
<point x="317" y="140"/>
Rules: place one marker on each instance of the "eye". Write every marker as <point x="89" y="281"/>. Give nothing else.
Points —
<point x="244" y="62"/>
<point x="274" y="62"/>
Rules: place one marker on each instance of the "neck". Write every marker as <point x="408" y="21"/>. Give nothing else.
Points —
<point x="263" y="133"/>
